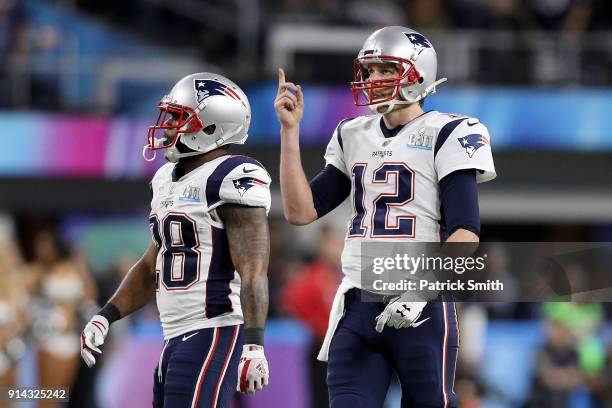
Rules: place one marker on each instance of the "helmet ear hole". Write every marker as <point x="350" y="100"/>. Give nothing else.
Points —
<point x="420" y="80"/>
<point x="210" y="129"/>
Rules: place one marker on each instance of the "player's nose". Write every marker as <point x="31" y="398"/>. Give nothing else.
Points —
<point x="171" y="121"/>
<point x="374" y="76"/>
<point x="169" y="135"/>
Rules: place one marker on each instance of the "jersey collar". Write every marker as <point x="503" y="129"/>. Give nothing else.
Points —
<point x="387" y="133"/>
<point x="177" y="172"/>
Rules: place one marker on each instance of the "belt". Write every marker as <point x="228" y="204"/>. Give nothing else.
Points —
<point x="364" y="295"/>
<point x="367" y="296"/>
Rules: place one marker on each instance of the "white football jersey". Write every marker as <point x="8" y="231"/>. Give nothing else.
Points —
<point x="197" y="284"/>
<point x="395" y="192"/>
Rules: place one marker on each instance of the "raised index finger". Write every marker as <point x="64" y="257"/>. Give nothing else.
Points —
<point x="281" y="78"/>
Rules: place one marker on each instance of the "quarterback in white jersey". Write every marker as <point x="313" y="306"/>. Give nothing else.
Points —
<point x="402" y="173"/>
<point x="207" y="263"/>
<point x="410" y="175"/>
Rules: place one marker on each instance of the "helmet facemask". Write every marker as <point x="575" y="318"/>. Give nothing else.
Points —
<point x="365" y="90"/>
<point x="186" y="120"/>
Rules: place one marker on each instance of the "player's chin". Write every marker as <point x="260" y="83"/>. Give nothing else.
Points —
<point x="382" y="108"/>
<point x="170" y="136"/>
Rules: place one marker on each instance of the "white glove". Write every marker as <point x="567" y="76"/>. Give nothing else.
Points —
<point x="93" y="335"/>
<point x="400" y="314"/>
<point x="253" y="371"/>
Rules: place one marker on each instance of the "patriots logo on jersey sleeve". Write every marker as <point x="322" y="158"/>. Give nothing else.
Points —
<point x="205" y="88"/>
<point x="418" y="40"/>
<point x="245" y="183"/>
<point x="472" y="142"/>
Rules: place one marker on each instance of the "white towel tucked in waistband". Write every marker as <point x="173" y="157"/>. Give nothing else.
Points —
<point x="335" y="314"/>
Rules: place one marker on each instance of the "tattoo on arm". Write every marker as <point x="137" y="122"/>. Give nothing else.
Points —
<point x="249" y="241"/>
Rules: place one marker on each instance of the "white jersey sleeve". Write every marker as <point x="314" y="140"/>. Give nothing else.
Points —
<point x="247" y="185"/>
<point x="334" y="154"/>
<point x="464" y="144"/>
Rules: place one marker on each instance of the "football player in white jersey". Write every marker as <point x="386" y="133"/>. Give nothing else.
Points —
<point x="410" y="175"/>
<point x="207" y="263"/>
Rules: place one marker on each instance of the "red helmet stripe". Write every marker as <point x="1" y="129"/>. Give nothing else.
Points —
<point x="232" y="93"/>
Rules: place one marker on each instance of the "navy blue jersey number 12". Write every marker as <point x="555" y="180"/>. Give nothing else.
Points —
<point x="400" y="179"/>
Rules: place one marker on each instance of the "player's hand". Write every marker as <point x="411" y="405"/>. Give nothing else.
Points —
<point x="92" y="337"/>
<point x="253" y="371"/>
<point x="289" y="102"/>
<point x="399" y="314"/>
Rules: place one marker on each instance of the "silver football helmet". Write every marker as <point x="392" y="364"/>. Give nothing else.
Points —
<point x="417" y="66"/>
<point x="203" y="111"/>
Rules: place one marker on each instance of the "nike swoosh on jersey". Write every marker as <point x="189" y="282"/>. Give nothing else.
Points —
<point x="420" y="322"/>
<point x="244" y="169"/>
<point x="185" y="338"/>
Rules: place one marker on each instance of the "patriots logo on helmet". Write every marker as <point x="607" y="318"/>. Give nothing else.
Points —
<point x="205" y="88"/>
<point x="472" y="142"/>
<point x="418" y="40"/>
<point x="245" y="183"/>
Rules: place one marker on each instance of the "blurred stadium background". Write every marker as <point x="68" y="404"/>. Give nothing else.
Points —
<point x="79" y="84"/>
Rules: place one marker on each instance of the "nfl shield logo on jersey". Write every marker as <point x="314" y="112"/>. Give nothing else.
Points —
<point x="472" y="142"/>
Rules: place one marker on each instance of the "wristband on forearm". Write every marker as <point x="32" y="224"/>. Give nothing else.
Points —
<point x="254" y="336"/>
<point x="110" y="312"/>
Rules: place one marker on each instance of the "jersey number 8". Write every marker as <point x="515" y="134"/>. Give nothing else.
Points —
<point x="178" y="240"/>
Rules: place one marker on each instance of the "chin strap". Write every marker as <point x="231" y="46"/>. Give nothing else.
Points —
<point x="389" y="106"/>
<point x="223" y="138"/>
<point x="431" y="89"/>
<point x="173" y="155"/>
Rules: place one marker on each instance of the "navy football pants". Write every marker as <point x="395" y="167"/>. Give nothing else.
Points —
<point x="361" y="360"/>
<point x="199" y="369"/>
